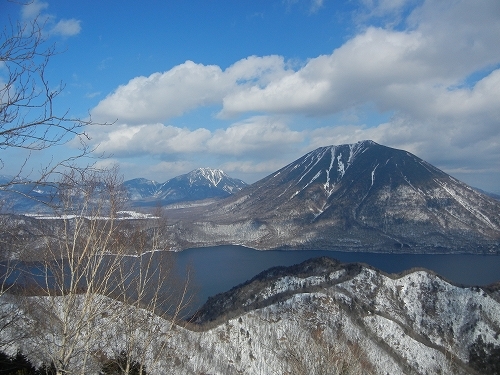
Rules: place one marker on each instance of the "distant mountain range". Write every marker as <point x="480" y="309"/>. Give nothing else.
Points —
<point x="201" y="183"/>
<point x="355" y="197"/>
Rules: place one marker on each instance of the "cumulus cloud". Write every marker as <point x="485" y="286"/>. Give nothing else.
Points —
<point x="397" y="70"/>
<point x="184" y="87"/>
<point x="420" y="71"/>
<point x="163" y="95"/>
<point x="383" y="66"/>
<point x="260" y="134"/>
<point x="66" y="27"/>
<point x="130" y="140"/>
<point x="257" y="135"/>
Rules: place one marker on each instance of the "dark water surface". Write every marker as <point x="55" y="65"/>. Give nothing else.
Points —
<point x="215" y="270"/>
<point x="218" y="269"/>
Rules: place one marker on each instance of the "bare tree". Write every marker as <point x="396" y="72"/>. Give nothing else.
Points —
<point x="84" y="276"/>
<point x="149" y="285"/>
<point x="28" y="119"/>
<point x="106" y="293"/>
<point x="13" y="324"/>
<point x="323" y="353"/>
<point x="12" y="321"/>
<point x="78" y="269"/>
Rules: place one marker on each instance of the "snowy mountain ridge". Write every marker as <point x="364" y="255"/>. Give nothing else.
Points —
<point x="322" y="317"/>
<point x="414" y="323"/>
<point x="215" y="176"/>
<point x="201" y="183"/>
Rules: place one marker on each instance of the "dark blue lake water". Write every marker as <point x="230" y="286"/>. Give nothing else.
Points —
<point x="217" y="269"/>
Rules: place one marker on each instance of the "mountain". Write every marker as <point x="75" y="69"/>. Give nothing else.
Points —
<point x="141" y="188"/>
<point x="201" y="183"/>
<point x="322" y="315"/>
<point x="318" y="317"/>
<point x="354" y="197"/>
<point x="23" y="196"/>
<point x="361" y="196"/>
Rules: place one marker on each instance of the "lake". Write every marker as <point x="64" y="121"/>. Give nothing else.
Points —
<point x="218" y="269"/>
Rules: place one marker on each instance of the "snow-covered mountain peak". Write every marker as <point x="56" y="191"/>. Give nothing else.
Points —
<point x="201" y="183"/>
<point x="214" y="176"/>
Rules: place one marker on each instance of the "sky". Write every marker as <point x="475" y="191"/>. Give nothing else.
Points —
<point x="248" y="86"/>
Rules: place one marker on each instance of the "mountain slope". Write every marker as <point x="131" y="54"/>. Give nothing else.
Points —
<point x="361" y="195"/>
<point x="319" y="317"/>
<point x="141" y="188"/>
<point x="413" y="323"/>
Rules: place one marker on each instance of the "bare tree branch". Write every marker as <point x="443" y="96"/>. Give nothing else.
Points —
<point x="28" y="119"/>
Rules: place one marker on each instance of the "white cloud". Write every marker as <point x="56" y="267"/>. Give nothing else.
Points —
<point x="107" y="163"/>
<point x="163" y="95"/>
<point x="66" y="27"/>
<point x="394" y="69"/>
<point x="316" y="5"/>
<point x="256" y="70"/>
<point x="184" y="87"/>
<point x="250" y="167"/>
<point x="168" y="169"/>
<point x="420" y="72"/>
<point x="389" y="68"/>
<point x="35" y="10"/>
<point x="129" y="140"/>
<point x="259" y="135"/>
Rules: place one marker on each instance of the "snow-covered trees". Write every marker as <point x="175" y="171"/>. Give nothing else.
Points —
<point x="95" y="274"/>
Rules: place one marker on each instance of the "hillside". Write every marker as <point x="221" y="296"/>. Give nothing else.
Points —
<point x="321" y="317"/>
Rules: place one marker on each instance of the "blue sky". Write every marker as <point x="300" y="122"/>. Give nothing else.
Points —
<point x="249" y="86"/>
